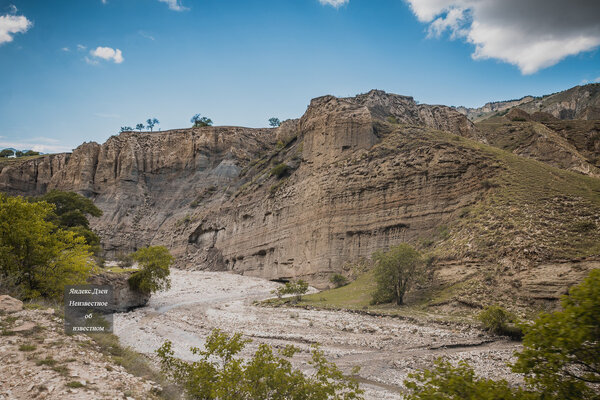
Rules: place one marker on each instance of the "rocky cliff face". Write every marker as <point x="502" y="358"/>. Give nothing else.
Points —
<point x="353" y="175"/>
<point x="579" y="102"/>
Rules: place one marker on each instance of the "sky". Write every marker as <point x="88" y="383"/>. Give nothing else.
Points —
<point x="78" y="70"/>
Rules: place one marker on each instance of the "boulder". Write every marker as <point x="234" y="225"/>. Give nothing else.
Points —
<point x="124" y="297"/>
<point x="10" y="304"/>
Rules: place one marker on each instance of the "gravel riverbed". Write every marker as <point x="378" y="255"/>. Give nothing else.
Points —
<point x="386" y="349"/>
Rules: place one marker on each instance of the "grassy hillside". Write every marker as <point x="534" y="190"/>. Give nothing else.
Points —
<point x="530" y="213"/>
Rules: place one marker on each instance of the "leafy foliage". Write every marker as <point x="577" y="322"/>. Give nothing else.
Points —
<point x="499" y="321"/>
<point x="338" y="280"/>
<point x="125" y="129"/>
<point x="446" y="382"/>
<point x="297" y="288"/>
<point x="70" y="213"/>
<point x="561" y="350"/>
<point x="139" y="127"/>
<point x="154" y="272"/>
<point x="280" y="170"/>
<point x="395" y="271"/>
<point x="274" y="122"/>
<point x="151" y="123"/>
<point x="219" y="374"/>
<point x="6" y="153"/>
<point x="37" y="256"/>
<point x="199" y="121"/>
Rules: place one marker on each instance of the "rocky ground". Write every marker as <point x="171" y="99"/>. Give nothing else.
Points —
<point x="386" y="349"/>
<point x="39" y="361"/>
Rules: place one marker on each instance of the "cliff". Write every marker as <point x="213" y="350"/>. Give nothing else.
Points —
<point x="353" y="175"/>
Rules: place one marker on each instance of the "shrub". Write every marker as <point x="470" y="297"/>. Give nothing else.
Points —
<point x="338" y="280"/>
<point x="499" y="321"/>
<point x="395" y="272"/>
<point x="584" y="226"/>
<point x="154" y="269"/>
<point x="561" y="351"/>
<point x="297" y="288"/>
<point x="27" y="347"/>
<point x="280" y="170"/>
<point x="221" y="374"/>
<point x="446" y="382"/>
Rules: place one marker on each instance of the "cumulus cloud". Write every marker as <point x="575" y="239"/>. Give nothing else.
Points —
<point x="334" y="3"/>
<point x="532" y="34"/>
<point x="174" y="5"/>
<point x="10" y="24"/>
<point x="106" y="53"/>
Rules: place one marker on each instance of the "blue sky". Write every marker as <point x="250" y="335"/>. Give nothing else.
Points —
<point x="75" y="71"/>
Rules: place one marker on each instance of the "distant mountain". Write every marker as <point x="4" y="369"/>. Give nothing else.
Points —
<point x="579" y="102"/>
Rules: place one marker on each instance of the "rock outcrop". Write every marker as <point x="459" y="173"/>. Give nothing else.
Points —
<point x="351" y="176"/>
<point x="579" y="102"/>
<point x="124" y="298"/>
<point x="9" y="304"/>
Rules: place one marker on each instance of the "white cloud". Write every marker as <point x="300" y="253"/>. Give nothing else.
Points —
<point x="66" y="49"/>
<point x="43" y="145"/>
<point x="106" y="53"/>
<point x="12" y="24"/>
<point x="334" y="3"/>
<point x="174" y="5"/>
<point x="81" y="47"/>
<point x="145" y="35"/>
<point x="531" y="34"/>
<point x="104" y="1"/>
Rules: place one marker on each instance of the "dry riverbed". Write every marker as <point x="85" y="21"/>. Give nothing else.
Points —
<point x="386" y="349"/>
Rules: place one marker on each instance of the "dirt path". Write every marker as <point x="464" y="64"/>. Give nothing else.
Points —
<point x="386" y="349"/>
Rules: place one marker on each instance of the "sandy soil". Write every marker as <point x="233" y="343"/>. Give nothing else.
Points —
<point x="386" y="349"/>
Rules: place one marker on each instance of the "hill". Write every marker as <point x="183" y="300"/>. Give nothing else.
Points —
<point x="503" y="218"/>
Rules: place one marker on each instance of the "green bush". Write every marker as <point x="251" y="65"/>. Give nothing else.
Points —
<point x="447" y="382"/>
<point x="395" y="272"/>
<point x="499" y="321"/>
<point x="221" y="374"/>
<point x="154" y="271"/>
<point x="280" y="170"/>
<point x="561" y="350"/>
<point x="38" y="258"/>
<point x="338" y="280"/>
<point x="560" y="359"/>
<point x="297" y="288"/>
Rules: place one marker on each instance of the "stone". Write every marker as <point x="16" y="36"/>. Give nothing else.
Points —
<point x="10" y="304"/>
<point x="25" y="327"/>
<point x="124" y="297"/>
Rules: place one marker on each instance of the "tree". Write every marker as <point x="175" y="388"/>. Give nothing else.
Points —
<point x="274" y="122"/>
<point x="6" y="153"/>
<point x="154" y="272"/>
<point x="126" y="129"/>
<point x="38" y="257"/>
<point x="151" y="122"/>
<point x="19" y="153"/>
<point x="395" y="271"/>
<point x="338" y="280"/>
<point x="139" y="127"/>
<point x="71" y="213"/>
<point x="221" y="374"/>
<point x="200" y="121"/>
<point x="447" y="382"/>
<point x="31" y="153"/>
<point x="560" y="358"/>
<point x="561" y="350"/>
